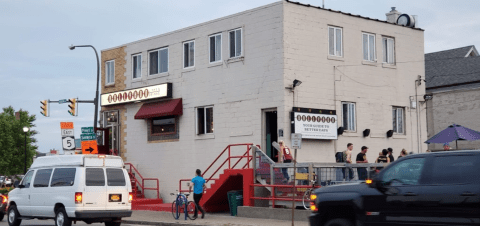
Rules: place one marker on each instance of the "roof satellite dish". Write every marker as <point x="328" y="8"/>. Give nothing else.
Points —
<point x="406" y="20"/>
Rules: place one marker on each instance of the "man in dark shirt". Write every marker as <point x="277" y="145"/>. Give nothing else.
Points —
<point x="390" y="154"/>
<point x="362" y="158"/>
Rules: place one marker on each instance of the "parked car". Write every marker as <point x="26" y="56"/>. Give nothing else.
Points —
<point x="441" y="188"/>
<point x="3" y="206"/>
<point x="89" y="188"/>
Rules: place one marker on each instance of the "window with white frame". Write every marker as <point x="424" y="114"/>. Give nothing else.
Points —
<point x="335" y="44"/>
<point x="188" y="54"/>
<point x="158" y="61"/>
<point x="388" y="50"/>
<point x="348" y="113"/>
<point x="398" y="116"/>
<point x="235" y="42"/>
<point x="368" y="46"/>
<point x="137" y="66"/>
<point x="110" y="72"/>
<point x="215" y="48"/>
<point x="205" y="120"/>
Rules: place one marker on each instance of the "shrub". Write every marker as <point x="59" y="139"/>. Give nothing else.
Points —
<point x="5" y="191"/>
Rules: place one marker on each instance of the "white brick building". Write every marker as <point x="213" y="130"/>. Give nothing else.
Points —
<point x="256" y="54"/>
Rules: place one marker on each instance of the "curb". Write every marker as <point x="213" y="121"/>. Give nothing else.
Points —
<point x="158" y="223"/>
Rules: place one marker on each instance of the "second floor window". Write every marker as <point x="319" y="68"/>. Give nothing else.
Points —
<point x="335" y="46"/>
<point x="188" y="54"/>
<point x="215" y="48"/>
<point x="137" y="66"/>
<point x="397" y="116"/>
<point x="348" y="111"/>
<point x="158" y="61"/>
<point x="205" y="120"/>
<point x="235" y="43"/>
<point x="388" y="50"/>
<point x="368" y="47"/>
<point x="110" y="72"/>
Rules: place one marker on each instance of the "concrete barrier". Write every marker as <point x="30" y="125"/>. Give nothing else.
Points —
<point x="272" y="213"/>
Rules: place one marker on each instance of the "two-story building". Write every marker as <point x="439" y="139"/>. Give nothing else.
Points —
<point x="176" y="100"/>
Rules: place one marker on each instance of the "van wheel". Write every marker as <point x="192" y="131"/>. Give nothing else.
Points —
<point x="113" y="223"/>
<point x="61" y="218"/>
<point x="339" y="222"/>
<point x="13" y="216"/>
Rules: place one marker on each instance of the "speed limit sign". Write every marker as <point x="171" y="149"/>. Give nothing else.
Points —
<point x="68" y="143"/>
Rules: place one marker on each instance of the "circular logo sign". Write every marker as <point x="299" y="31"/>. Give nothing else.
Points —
<point x="299" y="118"/>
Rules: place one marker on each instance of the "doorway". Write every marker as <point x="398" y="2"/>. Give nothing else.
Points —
<point x="271" y="133"/>
<point x="113" y="126"/>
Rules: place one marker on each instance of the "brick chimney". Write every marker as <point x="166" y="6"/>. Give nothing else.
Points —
<point x="392" y="16"/>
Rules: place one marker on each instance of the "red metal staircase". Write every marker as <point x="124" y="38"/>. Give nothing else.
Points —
<point x="138" y="188"/>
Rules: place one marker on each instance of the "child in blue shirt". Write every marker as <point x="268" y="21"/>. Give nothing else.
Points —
<point x="198" y="184"/>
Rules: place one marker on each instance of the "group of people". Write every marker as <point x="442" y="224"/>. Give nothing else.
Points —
<point x="385" y="156"/>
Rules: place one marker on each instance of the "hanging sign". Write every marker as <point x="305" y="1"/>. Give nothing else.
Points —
<point x="314" y="123"/>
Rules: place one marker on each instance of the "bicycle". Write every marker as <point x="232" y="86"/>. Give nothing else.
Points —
<point x="182" y="205"/>
<point x="306" y="196"/>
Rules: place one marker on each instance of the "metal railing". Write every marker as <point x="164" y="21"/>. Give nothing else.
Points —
<point x="142" y="183"/>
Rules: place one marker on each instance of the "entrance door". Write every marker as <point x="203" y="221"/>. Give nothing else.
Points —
<point x="271" y="134"/>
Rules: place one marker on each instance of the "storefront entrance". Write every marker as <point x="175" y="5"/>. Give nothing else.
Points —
<point x="111" y="123"/>
<point x="270" y="133"/>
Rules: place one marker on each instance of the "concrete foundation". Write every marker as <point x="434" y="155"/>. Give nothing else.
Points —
<point x="272" y="213"/>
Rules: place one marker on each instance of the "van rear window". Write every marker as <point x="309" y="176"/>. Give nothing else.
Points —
<point x="95" y="177"/>
<point x="63" y="177"/>
<point x="115" y="177"/>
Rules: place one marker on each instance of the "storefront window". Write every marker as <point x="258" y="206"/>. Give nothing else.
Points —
<point x="163" y="125"/>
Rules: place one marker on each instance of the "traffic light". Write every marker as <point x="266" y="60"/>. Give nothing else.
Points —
<point x="44" y="108"/>
<point x="72" y="106"/>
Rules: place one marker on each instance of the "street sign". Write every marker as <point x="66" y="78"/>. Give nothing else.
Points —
<point x="62" y="101"/>
<point x="67" y="132"/>
<point x="87" y="130"/>
<point x="66" y="125"/>
<point x="296" y="140"/>
<point x="68" y="143"/>
<point x="88" y="136"/>
<point x="89" y="147"/>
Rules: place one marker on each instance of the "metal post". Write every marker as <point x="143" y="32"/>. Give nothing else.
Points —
<point x="294" y="187"/>
<point x="254" y="162"/>
<point x="229" y="154"/>
<point x="25" y="166"/>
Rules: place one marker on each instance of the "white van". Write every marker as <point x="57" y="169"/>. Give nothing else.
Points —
<point x="90" y="188"/>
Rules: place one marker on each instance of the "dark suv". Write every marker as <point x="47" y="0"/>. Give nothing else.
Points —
<point x="440" y="188"/>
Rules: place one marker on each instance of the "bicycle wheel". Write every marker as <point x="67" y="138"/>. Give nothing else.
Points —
<point x="191" y="208"/>
<point x="306" y="199"/>
<point x="175" y="210"/>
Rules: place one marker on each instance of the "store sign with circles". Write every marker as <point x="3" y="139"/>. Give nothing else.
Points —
<point x="139" y="94"/>
<point x="315" y="126"/>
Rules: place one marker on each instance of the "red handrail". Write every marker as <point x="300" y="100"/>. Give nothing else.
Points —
<point x="228" y="159"/>
<point x="142" y="185"/>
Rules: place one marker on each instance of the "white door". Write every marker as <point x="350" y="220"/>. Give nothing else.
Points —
<point x="40" y="193"/>
<point x="117" y="189"/>
<point x="22" y="198"/>
<point x="95" y="196"/>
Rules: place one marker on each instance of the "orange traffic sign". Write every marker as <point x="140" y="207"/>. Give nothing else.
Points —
<point x="66" y="125"/>
<point x="89" y="147"/>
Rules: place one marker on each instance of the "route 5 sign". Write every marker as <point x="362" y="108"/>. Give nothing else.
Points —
<point x="68" y="143"/>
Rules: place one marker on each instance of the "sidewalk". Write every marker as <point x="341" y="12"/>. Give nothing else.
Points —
<point x="166" y="219"/>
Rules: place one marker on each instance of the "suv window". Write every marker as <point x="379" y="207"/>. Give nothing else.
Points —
<point x="115" y="177"/>
<point x="42" y="178"/>
<point x="95" y="177"/>
<point x="27" y="179"/>
<point x="63" y="177"/>
<point x="455" y="169"/>
<point x="405" y="172"/>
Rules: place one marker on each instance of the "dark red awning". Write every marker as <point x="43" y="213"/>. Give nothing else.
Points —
<point x="159" y="109"/>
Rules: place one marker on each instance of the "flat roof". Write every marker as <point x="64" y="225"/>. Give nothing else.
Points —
<point x="65" y="160"/>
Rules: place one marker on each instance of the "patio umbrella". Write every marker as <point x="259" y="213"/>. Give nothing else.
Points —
<point x="454" y="133"/>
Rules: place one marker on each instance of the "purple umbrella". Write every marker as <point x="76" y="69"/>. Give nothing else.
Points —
<point x="454" y="133"/>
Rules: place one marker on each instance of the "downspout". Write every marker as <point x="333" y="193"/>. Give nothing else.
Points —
<point x="335" y="106"/>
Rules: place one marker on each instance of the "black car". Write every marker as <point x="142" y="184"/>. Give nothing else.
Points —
<point x="3" y="206"/>
<point x="441" y="188"/>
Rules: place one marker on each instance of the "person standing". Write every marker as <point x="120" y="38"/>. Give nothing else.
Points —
<point x="347" y="158"/>
<point x="446" y="147"/>
<point x="198" y="184"/>
<point x="383" y="158"/>
<point x="362" y="158"/>
<point x="390" y="154"/>
<point x="403" y="153"/>
<point x="284" y="156"/>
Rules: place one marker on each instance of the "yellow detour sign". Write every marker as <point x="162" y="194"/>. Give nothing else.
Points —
<point x="89" y="147"/>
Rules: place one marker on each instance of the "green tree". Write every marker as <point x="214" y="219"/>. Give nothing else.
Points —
<point x="12" y="141"/>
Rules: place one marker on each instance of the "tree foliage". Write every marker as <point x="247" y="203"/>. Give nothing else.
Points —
<point x="12" y="141"/>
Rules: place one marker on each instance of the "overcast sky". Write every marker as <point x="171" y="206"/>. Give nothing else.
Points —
<point x="36" y="64"/>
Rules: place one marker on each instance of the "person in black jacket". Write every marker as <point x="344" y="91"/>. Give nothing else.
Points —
<point x="390" y="154"/>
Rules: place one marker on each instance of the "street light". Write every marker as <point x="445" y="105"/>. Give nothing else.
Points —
<point x="25" y="130"/>
<point x="95" y="100"/>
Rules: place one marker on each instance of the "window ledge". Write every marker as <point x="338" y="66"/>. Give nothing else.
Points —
<point x="215" y="64"/>
<point x="350" y="134"/>
<point x="330" y="57"/>
<point x="188" y="69"/>
<point x="110" y="85"/>
<point x="399" y="136"/>
<point x="371" y="63"/>
<point x="205" y="136"/>
<point x="392" y="66"/>
<point x="236" y="59"/>
<point x="164" y="74"/>
<point x="163" y="141"/>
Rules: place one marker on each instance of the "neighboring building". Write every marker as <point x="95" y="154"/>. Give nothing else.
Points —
<point x="230" y="80"/>
<point x="453" y="82"/>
